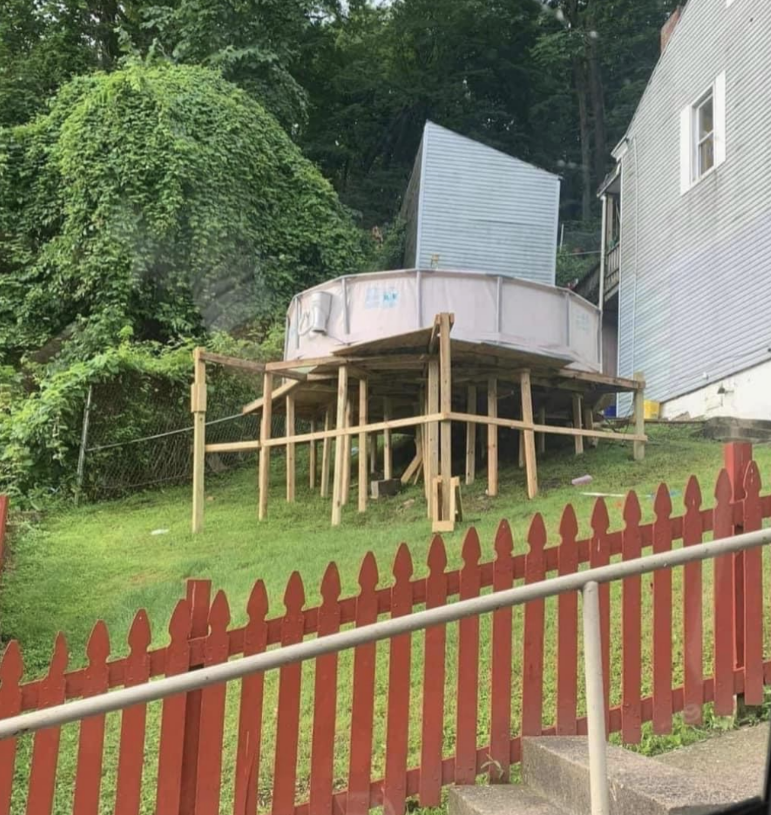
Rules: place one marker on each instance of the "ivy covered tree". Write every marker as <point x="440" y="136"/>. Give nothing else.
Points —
<point x="156" y="202"/>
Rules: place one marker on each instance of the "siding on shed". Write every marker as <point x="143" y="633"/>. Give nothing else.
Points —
<point x="481" y="210"/>
<point x="695" y="284"/>
<point x="410" y="211"/>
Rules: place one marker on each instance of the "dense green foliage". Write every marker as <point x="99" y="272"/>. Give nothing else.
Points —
<point x="552" y="81"/>
<point x="157" y="201"/>
<point x="40" y="434"/>
<point x="515" y="74"/>
<point x="134" y="384"/>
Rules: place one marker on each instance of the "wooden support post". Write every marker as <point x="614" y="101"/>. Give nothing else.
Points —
<point x="577" y="410"/>
<point x="589" y="425"/>
<point x="312" y="459"/>
<point x="347" y="444"/>
<point x="337" y="487"/>
<point x="412" y="469"/>
<point x="424" y="465"/>
<point x="471" y="436"/>
<point x="326" y="448"/>
<point x="528" y="436"/>
<point x="265" y="427"/>
<point x="492" y="437"/>
<point x="445" y="401"/>
<point x="639" y="419"/>
<point x="198" y="409"/>
<point x="521" y="451"/>
<point x="373" y="453"/>
<point x="388" y="460"/>
<point x="363" y="438"/>
<point x="291" y="451"/>
<point x="541" y="437"/>
<point x="431" y="460"/>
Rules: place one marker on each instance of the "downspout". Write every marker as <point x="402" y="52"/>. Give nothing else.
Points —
<point x="636" y="251"/>
<point x="601" y="300"/>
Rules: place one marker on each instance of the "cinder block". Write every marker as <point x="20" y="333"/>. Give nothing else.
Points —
<point x="385" y="488"/>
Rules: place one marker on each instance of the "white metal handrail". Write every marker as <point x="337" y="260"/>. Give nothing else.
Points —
<point x="586" y="582"/>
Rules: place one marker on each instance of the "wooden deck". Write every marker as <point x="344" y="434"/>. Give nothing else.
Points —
<point x="421" y="383"/>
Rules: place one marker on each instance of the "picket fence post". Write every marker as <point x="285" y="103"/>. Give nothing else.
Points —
<point x="199" y="599"/>
<point x="736" y="458"/>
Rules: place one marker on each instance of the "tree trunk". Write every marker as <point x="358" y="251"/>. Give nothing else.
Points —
<point x="597" y="95"/>
<point x="579" y="71"/>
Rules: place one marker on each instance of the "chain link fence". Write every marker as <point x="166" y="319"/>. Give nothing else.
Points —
<point x="138" y="431"/>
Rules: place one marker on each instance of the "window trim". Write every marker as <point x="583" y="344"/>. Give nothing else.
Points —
<point x="696" y="142"/>
<point x="689" y="143"/>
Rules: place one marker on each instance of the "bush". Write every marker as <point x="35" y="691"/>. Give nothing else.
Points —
<point x="159" y="200"/>
<point x="40" y="434"/>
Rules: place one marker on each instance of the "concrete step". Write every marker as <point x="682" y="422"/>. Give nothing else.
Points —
<point x="499" y="799"/>
<point x="727" y="428"/>
<point x="557" y="768"/>
<point x="737" y="758"/>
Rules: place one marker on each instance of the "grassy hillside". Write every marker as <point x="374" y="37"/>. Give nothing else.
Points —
<point x="103" y="561"/>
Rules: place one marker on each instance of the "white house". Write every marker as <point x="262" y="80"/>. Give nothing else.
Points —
<point x="687" y="214"/>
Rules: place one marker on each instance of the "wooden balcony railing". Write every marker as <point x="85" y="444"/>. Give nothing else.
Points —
<point x="612" y="265"/>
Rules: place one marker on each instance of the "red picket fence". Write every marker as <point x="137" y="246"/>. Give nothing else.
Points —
<point x="194" y="768"/>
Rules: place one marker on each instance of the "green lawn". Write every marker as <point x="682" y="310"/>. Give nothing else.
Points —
<point x="102" y="561"/>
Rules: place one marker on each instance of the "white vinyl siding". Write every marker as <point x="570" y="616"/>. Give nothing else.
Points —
<point x="694" y="293"/>
<point x="685" y="149"/>
<point x="719" y="113"/>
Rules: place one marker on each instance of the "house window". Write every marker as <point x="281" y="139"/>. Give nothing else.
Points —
<point x="703" y="134"/>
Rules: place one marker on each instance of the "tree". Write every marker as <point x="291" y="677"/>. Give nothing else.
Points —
<point x="255" y="43"/>
<point x="381" y="71"/>
<point x="611" y="47"/>
<point x="42" y="45"/>
<point x="157" y="202"/>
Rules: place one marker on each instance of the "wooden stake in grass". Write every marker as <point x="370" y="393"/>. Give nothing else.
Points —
<point x="431" y="460"/>
<point x="589" y="425"/>
<point x="312" y="459"/>
<point x="577" y="410"/>
<point x="471" y="436"/>
<point x="528" y="436"/>
<point x="337" y="488"/>
<point x="541" y="437"/>
<point x="492" y="437"/>
<point x="445" y="399"/>
<point x="291" y="450"/>
<point x="325" y="454"/>
<point x="639" y="418"/>
<point x="363" y="438"/>
<point x="388" y="461"/>
<point x="346" y="494"/>
<point x="198" y="409"/>
<point x="265" y="427"/>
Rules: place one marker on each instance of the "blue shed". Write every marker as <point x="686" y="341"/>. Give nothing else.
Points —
<point x="473" y="208"/>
